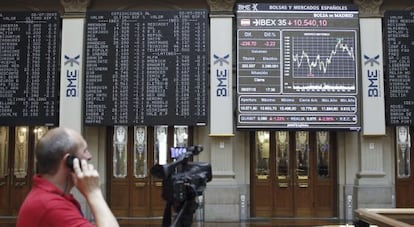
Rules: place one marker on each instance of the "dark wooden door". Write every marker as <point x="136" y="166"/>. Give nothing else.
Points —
<point x="325" y="175"/>
<point x="293" y="174"/>
<point x="132" y="190"/>
<point x="5" y="172"/>
<point x="301" y="171"/>
<point x="404" y="183"/>
<point x="129" y="179"/>
<point x="17" y="158"/>
<point x="17" y="169"/>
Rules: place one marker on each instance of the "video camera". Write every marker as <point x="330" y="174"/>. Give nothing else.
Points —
<point x="183" y="181"/>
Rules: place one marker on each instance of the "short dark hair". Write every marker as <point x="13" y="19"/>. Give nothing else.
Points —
<point x="52" y="147"/>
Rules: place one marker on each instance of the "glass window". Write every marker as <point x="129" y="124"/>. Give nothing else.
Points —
<point x="180" y="136"/>
<point x="403" y="151"/>
<point x="4" y="151"/>
<point x="322" y="143"/>
<point x="20" y="152"/>
<point x="140" y="154"/>
<point x="120" y="140"/>
<point x="282" y="151"/>
<point x="302" y="154"/>
<point x="262" y="154"/>
<point x="160" y="148"/>
<point x="38" y="132"/>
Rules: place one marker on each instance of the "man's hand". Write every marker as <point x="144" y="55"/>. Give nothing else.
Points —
<point x="86" y="179"/>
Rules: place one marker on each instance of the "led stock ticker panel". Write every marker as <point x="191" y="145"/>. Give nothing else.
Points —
<point x="146" y="67"/>
<point x="29" y="73"/>
<point x="399" y="43"/>
<point x="297" y="66"/>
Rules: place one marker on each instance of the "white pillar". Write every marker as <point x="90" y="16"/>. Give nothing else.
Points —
<point x="373" y="186"/>
<point x="372" y="73"/>
<point x="221" y="75"/>
<point x="222" y="196"/>
<point x="71" y="75"/>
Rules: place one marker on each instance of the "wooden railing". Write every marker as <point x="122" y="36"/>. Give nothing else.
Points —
<point x="393" y="217"/>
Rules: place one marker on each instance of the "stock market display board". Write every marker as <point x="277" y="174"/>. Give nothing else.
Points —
<point x="146" y="67"/>
<point x="29" y="75"/>
<point x="399" y="52"/>
<point x="297" y="66"/>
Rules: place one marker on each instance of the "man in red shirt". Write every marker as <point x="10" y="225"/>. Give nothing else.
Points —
<point x="50" y="202"/>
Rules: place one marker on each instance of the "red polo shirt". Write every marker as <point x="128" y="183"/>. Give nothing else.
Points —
<point x="47" y="206"/>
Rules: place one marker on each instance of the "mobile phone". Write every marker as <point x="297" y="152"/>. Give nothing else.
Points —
<point x="69" y="161"/>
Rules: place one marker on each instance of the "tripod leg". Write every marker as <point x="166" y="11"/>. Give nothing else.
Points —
<point x="185" y="215"/>
<point x="166" y="221"/>
<point x="177" y="220"/>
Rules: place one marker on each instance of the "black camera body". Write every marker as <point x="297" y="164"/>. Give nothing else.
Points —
<point x="183" y="181"/>
<point x="191" y="182"/>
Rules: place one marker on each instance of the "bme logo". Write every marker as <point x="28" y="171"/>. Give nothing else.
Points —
<point x="373" y="76"/>
<point x="72" y="74"/>
<point x="222" y="75"/>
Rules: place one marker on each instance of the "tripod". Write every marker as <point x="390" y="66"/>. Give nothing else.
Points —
<point x="184" y="217"/>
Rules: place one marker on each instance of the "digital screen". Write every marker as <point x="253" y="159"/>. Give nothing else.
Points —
<point x="297" y="66"/>
<point x="29" y="75"/>
<point x="146" y="67"/>
<point x="176" y="152"/>
<point x="399" y="56"/>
